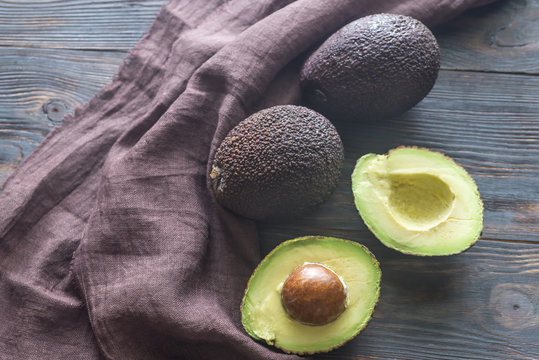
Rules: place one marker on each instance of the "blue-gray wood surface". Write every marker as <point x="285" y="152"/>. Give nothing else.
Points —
<point x="483" y="112"/>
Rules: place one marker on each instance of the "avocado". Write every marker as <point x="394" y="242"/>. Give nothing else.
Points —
<point x="311" y="294"/>
<point x="418" y="201"/>
<point x="279" y="162"/>
<point x="373" y="68"/>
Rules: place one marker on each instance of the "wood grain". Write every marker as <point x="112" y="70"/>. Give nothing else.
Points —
<point x="481" y="304"/>
<point x="501" y="37"/>
<point x="38" y="87"/>
<point x="112" y="25"/>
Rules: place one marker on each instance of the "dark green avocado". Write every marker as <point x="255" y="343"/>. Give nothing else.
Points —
<point x="373" y="68"/>
<point x="279" y="162"/>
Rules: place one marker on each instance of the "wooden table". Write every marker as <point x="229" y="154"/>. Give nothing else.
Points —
<point x="483" y="112"/>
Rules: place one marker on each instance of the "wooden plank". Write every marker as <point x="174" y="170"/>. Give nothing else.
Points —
<point x="481" y="304"/>
<point x="38" y="87"/>
<point x="499" y="37"/>
<point x="502" y="37"/>
<point x="76" y="24"/>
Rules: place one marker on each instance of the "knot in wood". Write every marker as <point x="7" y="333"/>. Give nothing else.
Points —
<point x="514" y="306"/>
<point x="55" y="110"/>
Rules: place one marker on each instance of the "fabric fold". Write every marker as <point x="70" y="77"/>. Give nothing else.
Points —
<point x="121" y="189"/>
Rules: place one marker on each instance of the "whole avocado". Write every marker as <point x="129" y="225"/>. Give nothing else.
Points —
<point x="278" y="162"/>
<point x="373" y="68"/>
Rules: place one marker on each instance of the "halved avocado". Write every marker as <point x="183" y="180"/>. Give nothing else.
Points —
<point x="263" y="311"/>
<point x="418" y="201"/>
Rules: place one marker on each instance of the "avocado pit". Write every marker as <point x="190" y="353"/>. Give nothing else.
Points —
<point x="313" y="294"/>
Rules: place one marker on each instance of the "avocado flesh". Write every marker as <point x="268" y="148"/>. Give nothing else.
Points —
<point x="264" y="317"/>
<point x="418" y="201"/>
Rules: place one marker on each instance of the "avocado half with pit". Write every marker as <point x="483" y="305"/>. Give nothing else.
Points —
<point x="311" y="294"/>
<point x="418" y="201"/>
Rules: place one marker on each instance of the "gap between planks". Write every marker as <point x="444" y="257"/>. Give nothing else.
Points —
<point x="489" y="71"/>
<point x="528" y="242"/>
<point x="26" y="46"/>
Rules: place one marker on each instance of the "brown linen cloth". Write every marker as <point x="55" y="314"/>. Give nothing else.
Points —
<point x="111" y="243"/>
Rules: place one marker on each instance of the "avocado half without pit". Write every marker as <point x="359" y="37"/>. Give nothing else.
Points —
<point x="418" y="201"/>
<point x="311" y="294"/>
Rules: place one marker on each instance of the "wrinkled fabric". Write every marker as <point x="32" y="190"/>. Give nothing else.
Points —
<point x="112" y="246"/>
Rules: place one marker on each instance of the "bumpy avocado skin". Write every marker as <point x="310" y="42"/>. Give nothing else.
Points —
<point x="279" y="162"/>
<point x="375" y="67"/>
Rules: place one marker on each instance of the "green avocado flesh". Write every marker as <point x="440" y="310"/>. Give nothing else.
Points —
<point x="418" y="201"/>
<point x="264" y="317"/>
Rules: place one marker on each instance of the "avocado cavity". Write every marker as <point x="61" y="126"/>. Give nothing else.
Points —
<point x="419" y="201"/>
